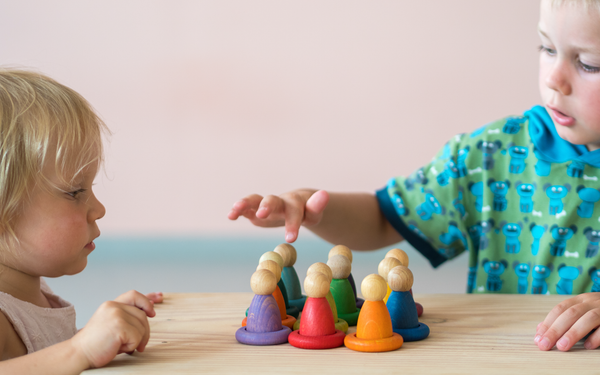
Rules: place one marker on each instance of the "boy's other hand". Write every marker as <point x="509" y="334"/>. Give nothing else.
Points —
<point x="569" y="322"/>
<point x="293" y="209"/>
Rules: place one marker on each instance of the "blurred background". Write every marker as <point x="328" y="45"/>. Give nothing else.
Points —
<point x="209" y="101"/>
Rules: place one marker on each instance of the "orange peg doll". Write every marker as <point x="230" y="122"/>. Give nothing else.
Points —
<point x="374" y="331"/>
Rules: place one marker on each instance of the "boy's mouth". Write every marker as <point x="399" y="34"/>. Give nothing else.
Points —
<point x="560" y="117"/>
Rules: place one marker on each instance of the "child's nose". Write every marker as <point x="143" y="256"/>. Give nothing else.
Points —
<point x="558" y="79"/>
<point x="97" y="210"/>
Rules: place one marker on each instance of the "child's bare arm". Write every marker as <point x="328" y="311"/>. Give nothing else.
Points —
<point x="569" y="322"/>
<point x="352" y="219"/>
<point x="119" y="326"/>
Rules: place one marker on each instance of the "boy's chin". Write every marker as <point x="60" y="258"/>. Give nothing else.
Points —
<point x="568" y="135"/>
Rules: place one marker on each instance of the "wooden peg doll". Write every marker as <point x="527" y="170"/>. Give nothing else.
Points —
<point x="264" y="320"/>
<point x="374" y="331"/>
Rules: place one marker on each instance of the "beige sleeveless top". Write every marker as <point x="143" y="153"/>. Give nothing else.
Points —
<point x="40" y="327"/>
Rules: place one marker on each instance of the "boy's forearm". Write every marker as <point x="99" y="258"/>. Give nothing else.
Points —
<point x="59" y="359"/>
<point x="355" y="220"/>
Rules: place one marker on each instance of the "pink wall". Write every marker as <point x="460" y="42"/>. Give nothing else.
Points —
<point x="210" y="101"/>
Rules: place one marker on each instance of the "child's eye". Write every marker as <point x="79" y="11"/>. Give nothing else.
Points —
<point x="75" y="193"/>
<point x="547" y="50"/>
<point x="588" y="68"/>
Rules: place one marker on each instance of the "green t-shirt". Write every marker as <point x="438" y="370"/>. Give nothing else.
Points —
<point x="517" y="196"/>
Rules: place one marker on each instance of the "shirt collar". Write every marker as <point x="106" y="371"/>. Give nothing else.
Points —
<point x="549" y="146"/>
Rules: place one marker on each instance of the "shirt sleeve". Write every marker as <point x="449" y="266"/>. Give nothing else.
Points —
<point x="433" y="207"/>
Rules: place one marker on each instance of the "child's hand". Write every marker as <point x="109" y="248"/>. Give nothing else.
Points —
<point x="291" y="209"/>
<point x="119" y="326"/>
<point x="569" y="322"/>
<point x="156" y="297"/>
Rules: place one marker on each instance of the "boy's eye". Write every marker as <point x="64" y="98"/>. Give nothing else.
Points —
<point x="547" y="50"/>
<point x="588" y="68"/>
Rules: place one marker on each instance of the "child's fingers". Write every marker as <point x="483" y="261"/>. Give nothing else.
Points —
<point x="557" y="311"/>
<point x="137" y="299"/>
<point x="246" y="206"/>
<point x="269" y="204"/>
<point x="583" y="326"/>
<point x="136" y="330"/>
<point x="315" y="206"/>
<point x="294" y="214"/>
<point x="593" y="341"/>
<point x="560" y="326"/>
<point x="156" y="297"/>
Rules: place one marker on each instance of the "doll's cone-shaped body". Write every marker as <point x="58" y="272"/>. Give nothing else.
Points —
<point x="359" y="301"/>
<point x="286" y="320"/>
<point x="264" y="323"/>
<point x="345" y="301"/>
<point x="387" y="295"/>
<point x="340" y="324"/>
<point x="290" y="310"/>
<point x="292" y="285"/>
<point x="403" y="313"/>
<point x="317" y="328"/>
<point x="374" y="331"/>
<point x="418" y="306"/>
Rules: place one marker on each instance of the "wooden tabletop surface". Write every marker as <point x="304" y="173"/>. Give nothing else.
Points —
<point x="470" y="334"/>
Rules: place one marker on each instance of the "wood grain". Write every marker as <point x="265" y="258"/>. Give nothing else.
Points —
<point x="470" y="334"/>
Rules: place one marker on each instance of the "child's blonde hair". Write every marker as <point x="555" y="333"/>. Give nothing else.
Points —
<point x="41" y="121"/>
<point x="587" y="4"/>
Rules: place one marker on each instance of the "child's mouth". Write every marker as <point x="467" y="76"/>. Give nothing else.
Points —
<point x="561" y="118"/>
<point x="90" y="246"/>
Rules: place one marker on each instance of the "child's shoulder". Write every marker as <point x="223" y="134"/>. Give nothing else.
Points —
<point x="11" y="345"/>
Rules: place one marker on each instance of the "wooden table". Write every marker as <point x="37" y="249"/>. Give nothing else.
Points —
<point x="470" y="334"/>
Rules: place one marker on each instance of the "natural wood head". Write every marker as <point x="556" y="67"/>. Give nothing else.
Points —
<point x="373" y="287"/>
<point x="340" y="266"/>
<point x="322" y="268"/>
<point x="398" y="254"/>
<point x="263" y="282"/>
<point x="271" y="255"/>
<point x="272" y="266"/>
<point x="400" y="279"/>
<point x="316" y="285"/>
<point x="386" y="265"/>
<point x="341" y="250"/>
<point x="288" y="253"/>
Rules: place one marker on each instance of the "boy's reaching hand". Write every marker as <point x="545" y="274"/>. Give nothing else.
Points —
<point x="118" y="326"/>
<point x="293" y="209"/>
<point x="569" y="322"/>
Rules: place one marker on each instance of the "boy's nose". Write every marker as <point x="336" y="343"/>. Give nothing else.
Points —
<point x="558" y="80"/>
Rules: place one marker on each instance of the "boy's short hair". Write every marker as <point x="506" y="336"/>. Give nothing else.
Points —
<point x="41" y="121"/>
<point x="587" y="4"/>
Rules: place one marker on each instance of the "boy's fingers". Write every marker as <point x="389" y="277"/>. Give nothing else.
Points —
<point x="557" y="311"/>
<point x="269" y="204"/>
<point x="582" y="327"/>
<point x="560" y="326"/>
<point x="245" y="206"/>
<point x="593" y="341"/>
<point x="315" y="206"/>
<point x="294" y="214"/>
